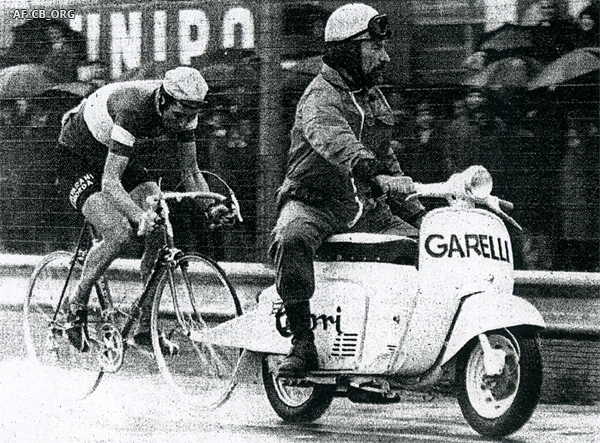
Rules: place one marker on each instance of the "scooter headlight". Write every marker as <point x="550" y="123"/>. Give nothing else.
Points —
<point x="478" y="182"/>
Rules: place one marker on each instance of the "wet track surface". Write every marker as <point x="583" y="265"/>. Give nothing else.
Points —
<point x="135" y="406"/>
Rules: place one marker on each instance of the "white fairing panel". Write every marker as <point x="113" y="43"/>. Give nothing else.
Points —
<point x="461" y="251"/>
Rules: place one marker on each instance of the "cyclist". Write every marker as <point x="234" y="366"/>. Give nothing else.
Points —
<point x="109" y="180"/>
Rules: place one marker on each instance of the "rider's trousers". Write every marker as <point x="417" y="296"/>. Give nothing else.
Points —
<point x="302" y="228"/>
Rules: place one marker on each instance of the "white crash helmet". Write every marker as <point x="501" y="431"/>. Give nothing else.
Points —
<point x="356" y="21"/>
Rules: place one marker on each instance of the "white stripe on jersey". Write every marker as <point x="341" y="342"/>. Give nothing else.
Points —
<point x="95" y="112"/>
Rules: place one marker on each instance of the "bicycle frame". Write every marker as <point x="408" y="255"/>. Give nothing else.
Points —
<point x="111" y="323"/>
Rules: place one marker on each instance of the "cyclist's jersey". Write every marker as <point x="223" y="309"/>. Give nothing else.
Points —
<point x="113" y="119"/>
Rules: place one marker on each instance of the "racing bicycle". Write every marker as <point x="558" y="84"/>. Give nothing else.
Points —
<point x="189" y="293"/>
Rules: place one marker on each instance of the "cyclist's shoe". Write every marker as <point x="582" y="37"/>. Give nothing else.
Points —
<point x="143" y="341"/>
<point x="77" y="329"/>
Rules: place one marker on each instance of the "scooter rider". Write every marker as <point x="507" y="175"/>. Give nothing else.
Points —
<point x="340" y="153"/>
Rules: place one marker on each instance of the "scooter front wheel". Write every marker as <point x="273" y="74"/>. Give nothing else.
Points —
<point x="499" y="405"/>
<point x="295" y="403"/>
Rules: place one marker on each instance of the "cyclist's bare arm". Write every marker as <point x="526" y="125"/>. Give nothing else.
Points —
<point x="193" y="180"/>
<point x="113" y="188"/>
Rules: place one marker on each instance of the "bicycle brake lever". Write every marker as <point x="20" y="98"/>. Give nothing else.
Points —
<point x="236" y="206"/>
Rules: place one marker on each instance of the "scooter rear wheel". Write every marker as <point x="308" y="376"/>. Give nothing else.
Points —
<point x="496" y="406"/>
<point x="295" y="403"/>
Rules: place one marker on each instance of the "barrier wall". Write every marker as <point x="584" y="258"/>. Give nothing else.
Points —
<point x="569" y="302"/>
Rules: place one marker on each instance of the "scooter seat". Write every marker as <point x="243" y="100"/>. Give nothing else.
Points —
<point x="368" y="247"/>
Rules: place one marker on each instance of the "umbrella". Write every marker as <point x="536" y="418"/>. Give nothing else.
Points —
<point x="506" y="37"/>
<point x="515" y="72"/>
<point x="572" y="65"/>
<point x="25" y="81"/>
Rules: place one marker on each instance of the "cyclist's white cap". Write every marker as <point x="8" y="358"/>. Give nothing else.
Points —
<point x="349" y="20"/>
<point x="185" y="83"/>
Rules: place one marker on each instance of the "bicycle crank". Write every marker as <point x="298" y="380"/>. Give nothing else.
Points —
<point x="110" y="354"/>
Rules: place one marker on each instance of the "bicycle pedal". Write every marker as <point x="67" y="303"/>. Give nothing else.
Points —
<point x="108" y="316"/>
<point x="140" y="347"/>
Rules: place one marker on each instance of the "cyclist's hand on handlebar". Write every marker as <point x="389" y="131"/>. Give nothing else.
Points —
<point x="148" y="222"/>
<point x="220" y="214"/>
<point x="395" y="186"/>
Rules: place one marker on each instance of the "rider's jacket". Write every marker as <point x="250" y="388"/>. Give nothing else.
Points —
<point x="114" y="118"/>
<point x="333" y="129"/>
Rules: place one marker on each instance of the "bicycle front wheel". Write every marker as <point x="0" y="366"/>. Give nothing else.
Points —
<point x="72" y="373"/>
<point x="191" y="297"/>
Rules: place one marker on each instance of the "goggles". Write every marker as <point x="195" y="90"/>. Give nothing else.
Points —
<point x="378" y="28"/>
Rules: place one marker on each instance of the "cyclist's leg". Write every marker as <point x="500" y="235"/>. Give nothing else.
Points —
<point x="114" y="231"/>
<point x="153" y="241"/>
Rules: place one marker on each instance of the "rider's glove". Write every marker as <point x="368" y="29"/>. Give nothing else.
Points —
<point x="395" y="186"/>
<point x="148" y="222"/>
<point x="220" y="214"/>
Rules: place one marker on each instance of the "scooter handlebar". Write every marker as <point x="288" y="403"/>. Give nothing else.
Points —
<point x="457" y="189"/>
<point x="430" y="190"/>
<point x="505" y="205"/>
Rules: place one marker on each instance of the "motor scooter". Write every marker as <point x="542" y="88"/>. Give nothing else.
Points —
<point x="393" y="313"/>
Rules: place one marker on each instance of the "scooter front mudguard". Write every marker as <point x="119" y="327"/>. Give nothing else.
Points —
<point x="487" y="311"/>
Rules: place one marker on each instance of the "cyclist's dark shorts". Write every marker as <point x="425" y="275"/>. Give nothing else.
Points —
<point x="79" y="178"/>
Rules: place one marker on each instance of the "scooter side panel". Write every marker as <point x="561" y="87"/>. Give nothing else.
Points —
<point x="338" y="311"/>
<point x="486" y="312"/>
<point x="371" y="304"/>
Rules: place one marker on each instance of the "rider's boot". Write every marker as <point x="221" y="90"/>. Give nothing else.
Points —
<point x="303" y="356"/>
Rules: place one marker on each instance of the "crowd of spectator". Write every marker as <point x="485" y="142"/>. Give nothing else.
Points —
<point x="542" y="146"/>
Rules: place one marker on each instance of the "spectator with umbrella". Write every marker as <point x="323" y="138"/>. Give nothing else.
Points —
<point x="420" y="148"/>
<point x="47" y="53"/>
<point x="570" y="83"/>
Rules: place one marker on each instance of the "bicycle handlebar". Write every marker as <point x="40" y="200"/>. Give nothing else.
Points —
<point x="200" y="195"/>
<point x="178" y="196"/>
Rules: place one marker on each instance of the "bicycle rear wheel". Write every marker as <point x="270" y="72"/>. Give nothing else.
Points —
<point x="73" y="373"/>
<point x="193" y="296"/>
